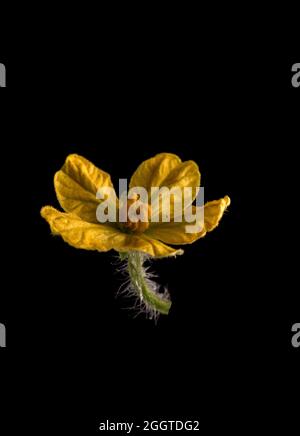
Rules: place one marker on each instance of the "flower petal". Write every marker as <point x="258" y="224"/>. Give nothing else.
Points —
<point x="147" y="245"/>
<point x="152" y="171"/>
<point x="175" y="233"/>
<point x="213" y="212"/>
<point x="81" y="234"/>
<point x="101" y="237"/>
<point x="76" y="185"/>
<point x="166" y="169"/>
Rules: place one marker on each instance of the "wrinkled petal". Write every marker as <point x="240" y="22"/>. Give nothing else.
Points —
<point x="101" y="237"/>
<point x="81" y="234"/>
<point x="166" y="169"/>
<point x="175" y="233"/>
<point x="213" y="212"/>
<point x="76" y="185"/>
<point x="152" y="171"/>
<point x="146" y="245"/>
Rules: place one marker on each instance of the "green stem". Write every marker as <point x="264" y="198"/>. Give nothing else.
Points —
<point x="152" y="299"/>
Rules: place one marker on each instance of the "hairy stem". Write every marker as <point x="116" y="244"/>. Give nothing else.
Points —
<point x="145" y="288"/>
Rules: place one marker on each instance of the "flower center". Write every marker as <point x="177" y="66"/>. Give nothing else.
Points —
<point x="137" y="217"/>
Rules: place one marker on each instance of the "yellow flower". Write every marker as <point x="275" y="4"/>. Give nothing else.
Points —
<point x="76" y="186"/>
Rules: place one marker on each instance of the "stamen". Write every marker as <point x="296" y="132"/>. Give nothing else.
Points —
<point x="144" y="211"/>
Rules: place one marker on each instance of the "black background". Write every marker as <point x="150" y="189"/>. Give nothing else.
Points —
<point x="74" y="354"/>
